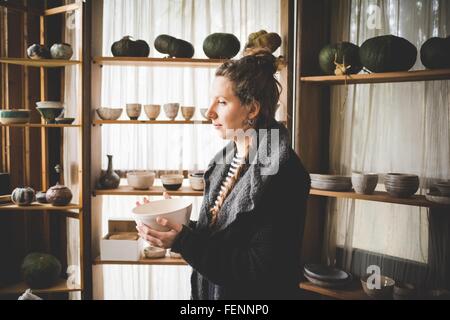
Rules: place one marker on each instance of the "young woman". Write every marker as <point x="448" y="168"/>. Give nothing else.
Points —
<point x="246" y="243"/>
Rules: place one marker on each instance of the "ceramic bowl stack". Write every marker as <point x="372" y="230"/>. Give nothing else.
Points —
<point x="330" y="182"/>
<point x="440" y="193"/>
<point x="326" y="277"/>
<point x="401" y="185"/>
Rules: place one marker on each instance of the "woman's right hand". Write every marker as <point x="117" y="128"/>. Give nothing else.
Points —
<point x="165" y="194"/>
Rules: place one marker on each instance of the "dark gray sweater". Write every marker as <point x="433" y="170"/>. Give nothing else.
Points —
<point x="253" y="251"/>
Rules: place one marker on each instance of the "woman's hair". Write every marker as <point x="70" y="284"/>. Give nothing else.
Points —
<point x="254" y="81"/>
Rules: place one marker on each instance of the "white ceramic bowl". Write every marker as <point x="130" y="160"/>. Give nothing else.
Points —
<point x="134" y="110"/>
<point x="140" y="180"/>
<point x="171" y="110"/>
<point x="203" y="112"/>
<point x="172" y="182"/>
<point x="174" y="210"/>
<point x="50" y="104"/>
<point x="152" y="111"/>
<point x="187" y="112"/>
<point x="109" y="113"/>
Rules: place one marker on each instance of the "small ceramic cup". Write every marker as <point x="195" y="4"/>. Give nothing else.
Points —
<point x="204" y="113"/>
<point x="134" y="110"/>
<point x="364" y="183"/>
<point x="152" y="111"/>
<point x="171" y="110"/>
<point x="187" y="112"/>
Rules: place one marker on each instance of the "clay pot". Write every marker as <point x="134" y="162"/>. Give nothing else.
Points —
<point x="59" y="195"/>
<point x="110" y="180"/>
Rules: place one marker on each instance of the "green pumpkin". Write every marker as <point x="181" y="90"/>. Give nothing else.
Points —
<point x="343" y="52"/>
<point x="221" y="46"/>
<point x="40" y="270"/>
<point x="388" y="54"/>
<point x="263" y="39"/>
<point x="435" y="53"/>
<point x="23" y="196"/>
<point x="127" y="47"/>
<point x="181" y="49"/>
<point x="162" y="43"/>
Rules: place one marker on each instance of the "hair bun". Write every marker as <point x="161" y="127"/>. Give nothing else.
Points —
<point x="265" y="58"/>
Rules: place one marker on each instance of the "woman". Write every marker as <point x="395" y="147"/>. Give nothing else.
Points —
<point x="247" y="241"/>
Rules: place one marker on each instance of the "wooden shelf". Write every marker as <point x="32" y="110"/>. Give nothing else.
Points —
<point x="62" y="9"/>
<point x="408" y="76"/>
<point x="36" y="125"/>
<point x="59" y="287"/>
<point x="46" y="63"/>
<point x="158" y="62"/>
<point x="354" y="292"/>
<point x="378" y="196"/>
<point x="167" y="261"/>
<point x="100" y="122"/>
<point x="154" y="191"/>
<point x="37" y="206"/>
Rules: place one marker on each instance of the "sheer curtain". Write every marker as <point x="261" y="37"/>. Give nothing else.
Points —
<point x="382" y="128"/>
<point x="164" y="147"/>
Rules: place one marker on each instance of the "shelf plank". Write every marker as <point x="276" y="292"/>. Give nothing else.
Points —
<point x="407" y="76"/>
<point x="20" y="8"/>
<point x="100" y="122"/>
<point x="354" y="292"/>
<point x="46" y="63"/>
<point x="37" y="125"/>
<point x="62" y="9"/>
<point x="153" y="191"/>
<point x="378" y="196"/>
<point x="166" y="261"/>
<point x="38" y="206"/>
<point x="158" y="62"/>
<point x="60" y="287"/>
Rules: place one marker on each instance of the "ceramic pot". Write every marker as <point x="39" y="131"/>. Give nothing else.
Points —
<point x="41" y="197"/>
<point x="58" y="195"/>
<point x="110" y="180"/>
<point x="134" y="110"/>
<point x="61" y="51"/>
<point x="38" y="51"/>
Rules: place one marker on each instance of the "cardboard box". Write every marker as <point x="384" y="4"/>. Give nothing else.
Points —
<point x="121" y="250"/>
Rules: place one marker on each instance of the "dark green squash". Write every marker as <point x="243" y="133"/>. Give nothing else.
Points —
<point x="40" y="270"/>
<point x="175" y="48"/>
<point x="162" y="43"/>
<point x="221" y="46"/>
<point x="435" y="53"/>
<point x="388" y="54"/>
<point x="343" y="52"/>
<point x="127" y="47"/>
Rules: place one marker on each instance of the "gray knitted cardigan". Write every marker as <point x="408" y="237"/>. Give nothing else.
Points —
<point x="243" y="256"/>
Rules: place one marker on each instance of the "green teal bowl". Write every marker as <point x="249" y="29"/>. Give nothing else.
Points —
<point x="15" y="116"/>
<point x="64" y="120"/>
<point x="50" y="113"/>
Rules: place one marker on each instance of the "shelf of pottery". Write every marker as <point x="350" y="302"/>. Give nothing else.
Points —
<point x="45" y="116"/>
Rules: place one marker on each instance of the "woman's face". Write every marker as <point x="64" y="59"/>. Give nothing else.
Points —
<point x="226" y="110"/>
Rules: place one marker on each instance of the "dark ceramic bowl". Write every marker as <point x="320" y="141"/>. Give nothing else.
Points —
<point x="64" y="120"/>
<point x="172" y="187"/>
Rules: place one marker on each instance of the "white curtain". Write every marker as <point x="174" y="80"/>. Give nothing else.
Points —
<point x="164" y="147"/>
<point x="390" y="127"/>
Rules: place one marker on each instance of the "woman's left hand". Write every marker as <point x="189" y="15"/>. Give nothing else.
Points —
<point x="158" y="238"/>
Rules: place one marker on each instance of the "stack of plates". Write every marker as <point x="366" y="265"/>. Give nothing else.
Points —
<point x="401" y="185"/>
<point x="330" y="182"/>
<point x="326" y="277"/>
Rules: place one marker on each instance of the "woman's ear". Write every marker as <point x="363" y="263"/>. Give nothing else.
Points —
<point x="255" y="108"/>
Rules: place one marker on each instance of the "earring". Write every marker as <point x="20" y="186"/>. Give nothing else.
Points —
<point x="251" y="122"/>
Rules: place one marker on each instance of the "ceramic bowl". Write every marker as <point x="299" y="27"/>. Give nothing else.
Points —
<point x="172" y="182"/>
<point x="15" y="116"/>
<point x="171" y="110"/>
<point x="64" y="120"/>
<point x="436" y="197"/>
<point x="187" y="112"/>
<point x="196" y="181"/>
<point x="174" y="210"/>
<point x="364" y="183"/>
<point x="134" y="110"/>
<point x="174" y="254"/>
<point x="152" y="111"/>
<point x="154" y="252"/>
<point x="109" y="113"/>
<point x="140" y="180"/>
<point x="444" y="188"/>
<point x="384" y="292"/>
<point x="204" y="113"/>
<point x="50" y="110"/>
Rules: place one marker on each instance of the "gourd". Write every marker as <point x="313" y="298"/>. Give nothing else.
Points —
<point x="127" y="47"/>
<point x="175" y="48"/>
<point x="221" y="46"/>
<point x="61" y="51"/>
<point x="40" y="270"/>
<point x="23" y="196"/>
<point x="388" y="54"/>
<point x="38" y="51"/>
<point x="435" y="53"/>
<point x="263" y="39"/>
<point x="340" y="58"/>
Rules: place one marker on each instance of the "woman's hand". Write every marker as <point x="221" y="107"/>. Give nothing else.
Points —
<point x="165" y="194"/>
<point x="158" y="238"/>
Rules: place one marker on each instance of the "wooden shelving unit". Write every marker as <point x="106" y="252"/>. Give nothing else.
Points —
<point x="354" y="292"/>
<point x="36" y="125"/>
<point x="60" y="287"/>
<point x="45" y="63"/>
<point x="101" y="122"/>
<point x="407" y="76"/>
<point x="38" y="206"/>
<point x="153" y="191"/>
<point x="167" y="261"/>
<point x="378" y="196"/>
<point x="158" y="62"/>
